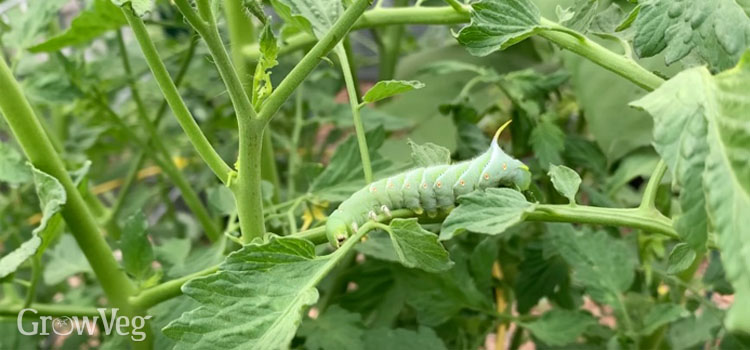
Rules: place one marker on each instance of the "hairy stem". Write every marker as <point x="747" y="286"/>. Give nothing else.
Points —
<point x="359" y="128"/>
<point x="180" y="110"/>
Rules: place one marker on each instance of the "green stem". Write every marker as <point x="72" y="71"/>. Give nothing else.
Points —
<point x="36" y="272"/>
<point x="188" y="193"/>
<point x="248" y="190"/>
<point x="180" y="110"/>
<point x="241" y="33"/>
<point x="457" y="6"/>
<point x="167" y="290"/>
<point x="634" y="218"/>
<point x="359" y="128"/>
<point x="616" y="63"/>
<point x="648" y="202"/>
<point x="36" y="145"/>
<point x="268" y="169"/>
<point x="294" y="146"/>
<point x="347" y="45"/>
<point x="619" y="64"/>
<point x="377" y="17"/>
<point x="312" y="58"/>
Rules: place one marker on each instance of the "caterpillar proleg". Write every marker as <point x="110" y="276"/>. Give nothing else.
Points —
<point x="427" y="189"/>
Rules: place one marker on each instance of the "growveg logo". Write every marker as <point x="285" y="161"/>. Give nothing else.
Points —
<point x="64" y="325"/>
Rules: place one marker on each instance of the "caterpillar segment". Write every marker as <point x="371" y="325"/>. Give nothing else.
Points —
<point x="427" y="195"/>
<point x="429" y="189"/>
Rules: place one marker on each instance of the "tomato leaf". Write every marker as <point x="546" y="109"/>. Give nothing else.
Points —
<point x="257" y="298"/>
<point x="604" y="265"/>
<point x="680" y="139"/>
<point x="681" y="257"/>
<point x="499" y="24"/>
<point x="418" y="248"/>
<point x="137" y="253"/>
<point x="102" y="17"/>
<point x="388" y="88"/>
<point x="336" y="328"/>
<point x="548" y="142"/>
<point x="314" y="16"/>
<point x="52" y="197"/>
<point x="489" y="212"/>
<point x="716" y="32"/>
<point x="565" y="180"/>
<point x="429" y="154"/>
<point x="140" y="7"/>
<point x="560" y="327"/>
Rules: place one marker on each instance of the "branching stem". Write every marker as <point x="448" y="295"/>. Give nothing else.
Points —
<point x="180" y="110"/>
<point x="648" y="202"/>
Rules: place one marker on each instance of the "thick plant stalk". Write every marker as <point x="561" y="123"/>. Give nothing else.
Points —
<point x="39" y="150"/>
<point x="248" y="190"/>
<point x="241" y="34"/>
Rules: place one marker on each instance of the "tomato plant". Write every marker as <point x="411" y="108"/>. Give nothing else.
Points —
<point x="322" y="174"/>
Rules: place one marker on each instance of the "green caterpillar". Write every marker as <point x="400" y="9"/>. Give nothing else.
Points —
<point x="427" y="189"/>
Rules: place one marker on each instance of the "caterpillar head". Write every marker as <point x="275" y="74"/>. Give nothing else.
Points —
<point x="503" y="169"/>
<point x="337" y="229"/>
